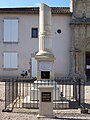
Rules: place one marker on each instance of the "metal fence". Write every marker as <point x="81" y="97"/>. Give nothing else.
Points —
<point x="24" y="93"/>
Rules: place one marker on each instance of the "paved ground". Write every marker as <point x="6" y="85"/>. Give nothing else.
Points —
<point x="28" y="114"/>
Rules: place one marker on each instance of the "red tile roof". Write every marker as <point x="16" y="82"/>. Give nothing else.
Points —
<point x="35" y="10"/>
<point x="58" y="10"/>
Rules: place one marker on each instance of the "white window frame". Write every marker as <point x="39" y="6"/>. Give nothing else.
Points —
<point x="10" y="60"/>
<point x="11" y="30"/>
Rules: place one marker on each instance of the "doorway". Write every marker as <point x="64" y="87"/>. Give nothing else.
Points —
<point x="88" y="65"/>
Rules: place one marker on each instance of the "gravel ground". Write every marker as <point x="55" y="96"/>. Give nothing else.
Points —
<point x="28" y="114"/>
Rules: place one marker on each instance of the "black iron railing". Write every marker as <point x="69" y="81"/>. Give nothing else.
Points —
<point x="24" y="93"/>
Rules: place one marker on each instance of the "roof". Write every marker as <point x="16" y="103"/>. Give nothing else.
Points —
<point x="58" y="10"/>
<point x="35" y="10"/>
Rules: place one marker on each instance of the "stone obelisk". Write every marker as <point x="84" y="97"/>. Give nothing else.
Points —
<point x="45" y="57"/>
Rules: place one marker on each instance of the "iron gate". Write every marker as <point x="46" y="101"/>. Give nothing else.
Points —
<point x="24" y="93"/>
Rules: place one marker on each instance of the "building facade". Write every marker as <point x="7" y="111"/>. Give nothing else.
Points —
<point x="19" y="31"/>
<point x="80" y="27"/>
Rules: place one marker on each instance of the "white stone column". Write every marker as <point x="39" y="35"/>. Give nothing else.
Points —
<point x="45" y="37"/>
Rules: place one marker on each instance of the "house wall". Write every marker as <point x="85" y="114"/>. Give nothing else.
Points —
<point x="26" y="46"/>
<point x="61" y="44"/>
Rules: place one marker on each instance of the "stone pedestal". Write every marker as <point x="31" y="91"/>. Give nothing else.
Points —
<point x="46" y="101"/>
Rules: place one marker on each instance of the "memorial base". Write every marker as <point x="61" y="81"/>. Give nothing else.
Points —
<point x="45" y="101"/>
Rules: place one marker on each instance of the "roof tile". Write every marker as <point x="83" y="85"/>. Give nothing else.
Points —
<point x="35" y="10"/>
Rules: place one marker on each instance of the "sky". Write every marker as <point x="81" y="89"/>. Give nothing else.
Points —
<point x="33" y="3"/>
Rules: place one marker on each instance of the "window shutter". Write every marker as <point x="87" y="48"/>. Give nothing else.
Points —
<point x="14" y="30"/>
<point x="13" y="60"/>
<point x="6" y="60"/>
<point x="11" y="30"/>
<point x="10" y="60"/>
<point x="7" y="30"/>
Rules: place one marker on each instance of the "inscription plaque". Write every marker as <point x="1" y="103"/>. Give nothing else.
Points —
<point x="45" y="74"/>
<point x="46" y="96"/>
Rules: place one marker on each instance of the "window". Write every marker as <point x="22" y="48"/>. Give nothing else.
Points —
<point x="10" y="60"/>
<point x="34" y="32"/>
<point x="10" y="30"/>
<point x="59" y="31"/>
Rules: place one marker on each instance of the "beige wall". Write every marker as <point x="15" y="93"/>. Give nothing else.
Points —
<point x="28" y="45"/>
<point x="24" y="47"/>
<point x="61" y="43"/>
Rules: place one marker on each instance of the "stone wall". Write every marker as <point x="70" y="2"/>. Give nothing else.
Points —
<point x="80" y="25"/>
<point x="82" y="7"/>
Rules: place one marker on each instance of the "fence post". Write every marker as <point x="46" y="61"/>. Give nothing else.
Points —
<point x="81" y="92"/>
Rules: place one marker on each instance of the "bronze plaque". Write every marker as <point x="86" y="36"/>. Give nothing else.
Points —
<point x="46" y="96"/>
